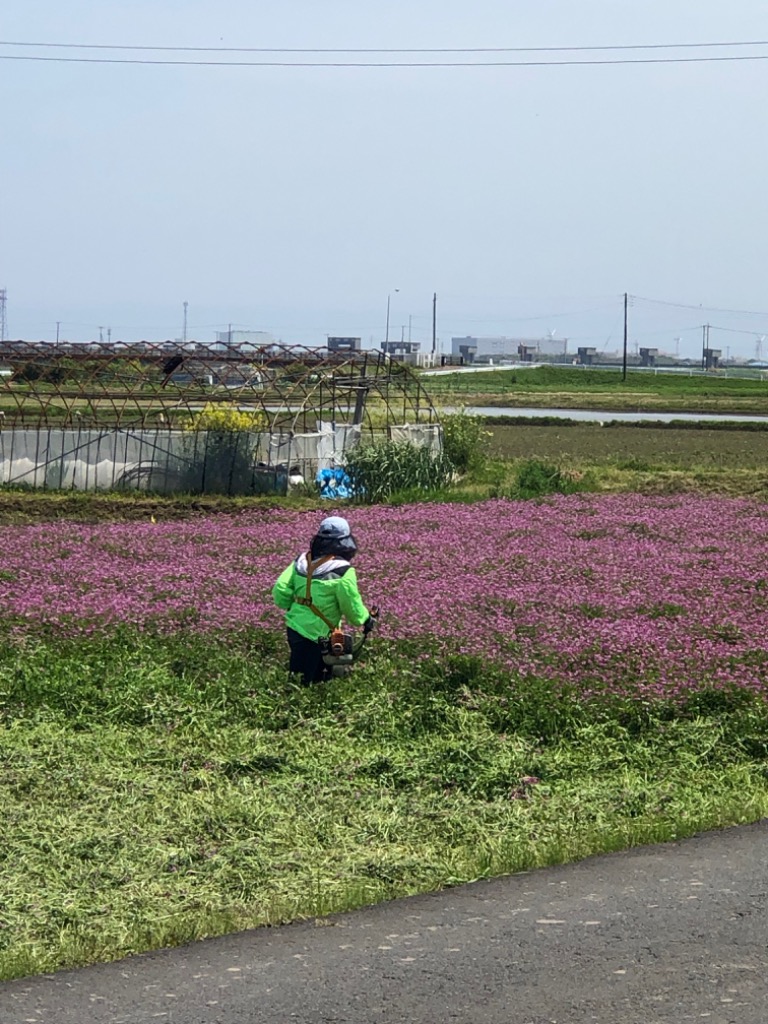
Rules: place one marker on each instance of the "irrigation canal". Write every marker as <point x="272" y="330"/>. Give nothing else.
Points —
<point x="605" y="415"/>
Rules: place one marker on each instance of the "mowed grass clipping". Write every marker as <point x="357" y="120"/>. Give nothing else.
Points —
<point x="161" y="789"/>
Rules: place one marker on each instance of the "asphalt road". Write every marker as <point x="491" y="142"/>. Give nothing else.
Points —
<point x="672" y="933"/>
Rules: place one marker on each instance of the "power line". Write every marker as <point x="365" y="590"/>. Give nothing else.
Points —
<point x="353" y="49"/>
<point x="503" y="319"/>
<point x="735" y="330"/>
<point x="385" y="64"/>
<point x="704" y="309"/>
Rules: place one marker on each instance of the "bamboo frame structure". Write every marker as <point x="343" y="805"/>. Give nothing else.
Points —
<point x="145" y="384"/>
<point x="96" y="416"/>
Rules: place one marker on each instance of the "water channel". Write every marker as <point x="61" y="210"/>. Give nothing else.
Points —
<point x="605" y="415"/>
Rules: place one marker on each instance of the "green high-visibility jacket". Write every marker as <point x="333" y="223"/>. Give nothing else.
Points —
<point x="334" y="592"/>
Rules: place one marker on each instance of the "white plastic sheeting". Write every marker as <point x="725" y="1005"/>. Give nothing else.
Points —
<point x="345" y="437"/>
<point x="429" y="434"/>
<point x="165" y="460"/>
<point x="91" y="460"/>
<point x="309" y="452"/>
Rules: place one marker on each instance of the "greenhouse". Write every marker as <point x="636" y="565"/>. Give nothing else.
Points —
<point x="218" y="418"/>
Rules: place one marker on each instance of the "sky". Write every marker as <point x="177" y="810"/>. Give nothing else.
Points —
<point x="303" y="201"/>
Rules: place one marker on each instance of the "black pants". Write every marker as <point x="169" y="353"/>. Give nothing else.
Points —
<point x="307" y="659"/>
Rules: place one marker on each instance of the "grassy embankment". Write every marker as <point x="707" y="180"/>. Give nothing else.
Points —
<point x="161" y="789"/>
<point x="571" y="388"/>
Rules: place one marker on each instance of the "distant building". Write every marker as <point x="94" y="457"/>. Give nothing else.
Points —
<point x="408" y="352"/>
<point x="255" y="338"/>
<point x="400" y="348"/>
<point x="712" y="358"/>
<point x="402" y="351"/>
<point x="501" y="348"/>
<point x="648" y="356"/>
<point x="586" y="356"/>
<point x="345" y="344"/>
<point x="465" y="351"/>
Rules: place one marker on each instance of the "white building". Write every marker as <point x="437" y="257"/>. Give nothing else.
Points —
<point x="499" y="348"/>
<point x="256" y="338"/>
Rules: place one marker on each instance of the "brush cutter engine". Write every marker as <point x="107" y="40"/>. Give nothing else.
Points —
<point x="342" y="648"/>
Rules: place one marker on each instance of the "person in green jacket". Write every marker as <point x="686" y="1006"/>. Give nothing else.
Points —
<point x="312" y="613"/>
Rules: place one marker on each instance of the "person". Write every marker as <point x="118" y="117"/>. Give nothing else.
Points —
<point x="313" y="611"/>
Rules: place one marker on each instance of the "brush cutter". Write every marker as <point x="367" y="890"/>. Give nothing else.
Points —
<point x="343" y="647"/>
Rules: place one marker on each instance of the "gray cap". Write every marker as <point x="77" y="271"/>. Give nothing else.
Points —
<point x="335" y="527"/>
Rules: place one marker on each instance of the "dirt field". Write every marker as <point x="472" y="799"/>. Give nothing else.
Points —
<point x="591" y="443"/>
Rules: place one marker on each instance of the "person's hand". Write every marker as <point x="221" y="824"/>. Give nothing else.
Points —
<point x="370" y="623"/>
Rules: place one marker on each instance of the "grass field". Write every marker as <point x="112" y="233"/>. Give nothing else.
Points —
<point x="157" y="791"/>
<point x="643" y="460"/>
<point x="631" y="446"/>
<point x="591" y="674"/>
<point x="570" y="388"/>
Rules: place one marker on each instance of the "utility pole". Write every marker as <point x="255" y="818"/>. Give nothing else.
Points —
<point x="704" y="345"/>
<point x="410" y="320"/>
<point x="3" y="321"/>
<point x="389" y="300"/>
<point x="229" y="334"/>
<point x="184" y="330"/>
<point x="434" y="323"/>
<point x="109" y="335"/>
<point x="58" y="325"/>
<point x="101" y="335"/>
<point x="624" y="362"/>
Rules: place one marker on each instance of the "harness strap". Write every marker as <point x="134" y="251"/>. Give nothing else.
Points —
<point x="307" y="600"/>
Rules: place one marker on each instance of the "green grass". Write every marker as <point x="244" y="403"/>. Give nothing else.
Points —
<point x="22" y="505"/>
<point x="571" y="388"/>
<point x="566" y="379"/>
<point x="628" y="458"/>
<point x="157" y="790"/>
<point x="556" y="378"/>
<point x="663" y="448"/>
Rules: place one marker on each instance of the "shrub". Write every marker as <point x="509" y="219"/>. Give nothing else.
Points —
<point x="223" y="419"/>
<point x="464" y="440"/>
<point x="379" y="470"/>
<point x="40" y="372"/>
<point x="537" y="477"/>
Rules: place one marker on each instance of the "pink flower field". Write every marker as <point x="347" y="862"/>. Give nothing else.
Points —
<point x="656" y="596"/>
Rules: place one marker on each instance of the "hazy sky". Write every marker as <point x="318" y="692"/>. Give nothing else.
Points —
<point x="296" y="200"/>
